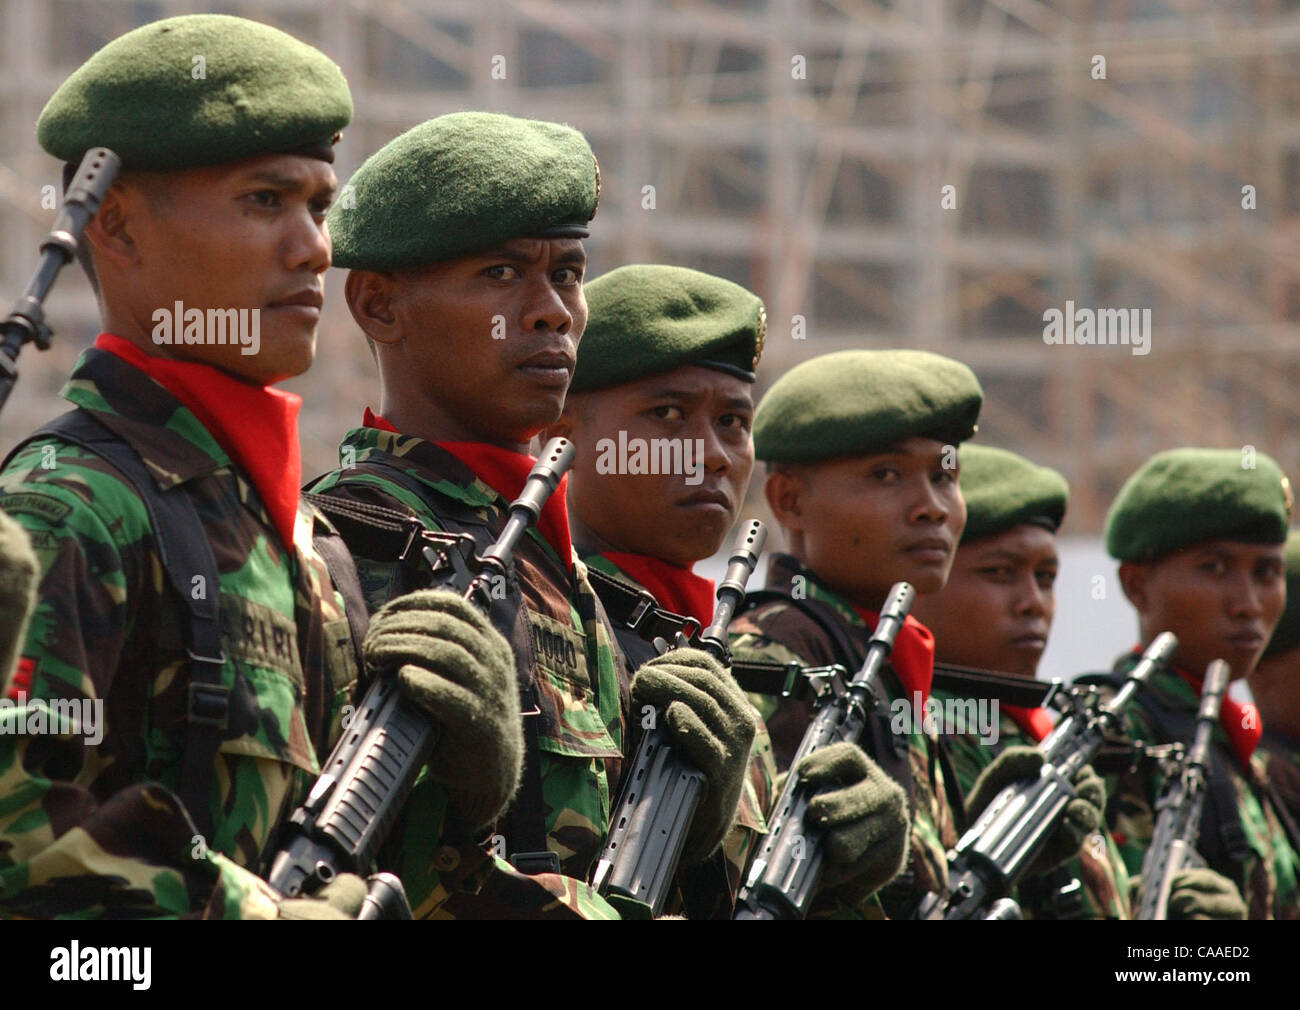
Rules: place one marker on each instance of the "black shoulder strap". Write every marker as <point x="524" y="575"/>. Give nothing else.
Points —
<point x="1023" y="692"/>
<point x="186" y="556"/>
<point x="635" y="609"/>
<point x="343" y="571"/>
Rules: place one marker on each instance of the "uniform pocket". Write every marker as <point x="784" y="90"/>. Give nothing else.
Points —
<point x="568" y="721"/>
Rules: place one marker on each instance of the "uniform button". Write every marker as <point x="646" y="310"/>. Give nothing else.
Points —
<point x="446" y="859"/>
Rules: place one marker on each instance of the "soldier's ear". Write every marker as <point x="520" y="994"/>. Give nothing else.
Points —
<point x="786" y="490"/>
<point x="1134" y="579"/>
<point x="370" y="300"/>
<point x="108" y="234"/>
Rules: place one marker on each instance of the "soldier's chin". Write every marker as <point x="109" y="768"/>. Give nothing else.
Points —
<point x="279" y="356"/>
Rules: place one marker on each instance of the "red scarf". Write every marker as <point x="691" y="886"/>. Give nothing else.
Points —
<point x="675" y="588"/>
<point x="257" y="426"/>
<point x="912" y="656"/>
<point x="1036" y="722"/>
<point x="505" y="472"/>
<point x="1240" y="722"/>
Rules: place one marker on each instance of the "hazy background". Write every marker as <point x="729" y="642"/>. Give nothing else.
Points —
<point x="1115" y="153"/>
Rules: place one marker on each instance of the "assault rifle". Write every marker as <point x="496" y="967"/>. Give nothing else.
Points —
<point x="1178" y="817"/>
<point x="1016" y="826"/>
<point x="26" y="320"/>
<point x="788" y="866"/>
<point x="661" y="791"/>
<point x="362" y="787"/>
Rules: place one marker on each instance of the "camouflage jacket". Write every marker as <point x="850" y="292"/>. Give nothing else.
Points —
<point x="1099" y="868"/>
<point x="1267" y="873"/>
<point x="567" y="655"/>
<point x="779" y="632"/>
<point x="1282" y="757"/>
<point x="93" y="827"/>
<point x="757" y="797"/>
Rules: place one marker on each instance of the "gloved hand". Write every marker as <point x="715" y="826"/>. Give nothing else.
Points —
<point x="711" y="722"/>
<point x="1083" y="814"/>
<point x="341" y="898"/>
<point x="452" y="663"/>
<point x="1203" y="894"/>
<point x="863" y="813"/>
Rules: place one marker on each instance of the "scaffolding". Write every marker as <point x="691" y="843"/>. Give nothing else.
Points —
<point x="804" y="148"/>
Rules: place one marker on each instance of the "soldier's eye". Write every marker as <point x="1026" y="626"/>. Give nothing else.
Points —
<point x="267" y="198"/>
<point x="567" y="275"/>
<point x="667" y="412"/>
<point x="501" y="272"/>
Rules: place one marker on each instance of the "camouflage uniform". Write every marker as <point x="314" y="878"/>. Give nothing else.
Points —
<point x="779" y="632"/>
<point x="758" y="793"/>
<point x="1099" y="868"/>
<point x="1267" y="876"/>
<point x="1282" y="757"/>
<point x="90" y="831"/>
<point x="580" y="681"/>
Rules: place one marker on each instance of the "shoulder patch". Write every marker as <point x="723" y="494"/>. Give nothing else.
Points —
<point x="42" y="506"/>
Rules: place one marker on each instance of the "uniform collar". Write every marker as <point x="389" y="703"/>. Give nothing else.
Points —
<point x="169" y="439"/>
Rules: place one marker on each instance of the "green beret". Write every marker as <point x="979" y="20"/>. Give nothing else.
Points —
<point x="1187" y="496"/>
<point x="463" y="183"/>
<point x="1004" y="490"/>
<point x="1287" y="633"/>
<point x="647" y="319"/>
<point x="853" y="403"/>
<point x="146" y="96"/>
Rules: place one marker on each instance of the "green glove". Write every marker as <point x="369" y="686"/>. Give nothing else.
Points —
<point x="452" y="663"/>
<point x="1083" y="814"/>
<point x="710" y="721"/>
<point x="1203" y="894"/>
<point x="863" y="813"/>
<point x="341" y="898"/>
<point x="19" y="575"/>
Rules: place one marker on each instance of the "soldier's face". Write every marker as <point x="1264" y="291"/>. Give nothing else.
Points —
<point x="1222" y="598"/>
<point x="866" y="522"/>
<point x="996" y="610"/>
<point x="677" y="515"/>
<point x="222" y="264"/>
<point x="483" y="346"/>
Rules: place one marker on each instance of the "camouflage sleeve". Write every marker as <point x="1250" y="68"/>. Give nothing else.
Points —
<point x="67" y="849"/>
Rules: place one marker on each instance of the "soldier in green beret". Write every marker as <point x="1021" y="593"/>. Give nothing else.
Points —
<point x="661" y="412"/>
<point x="1199" y="536"/>
<point x="995" y="613"/>
<point x="186" y="611"/>
<point x="863" y="467"/>
<point x="463" y="240"/>
<point x="1275" y="686"/>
